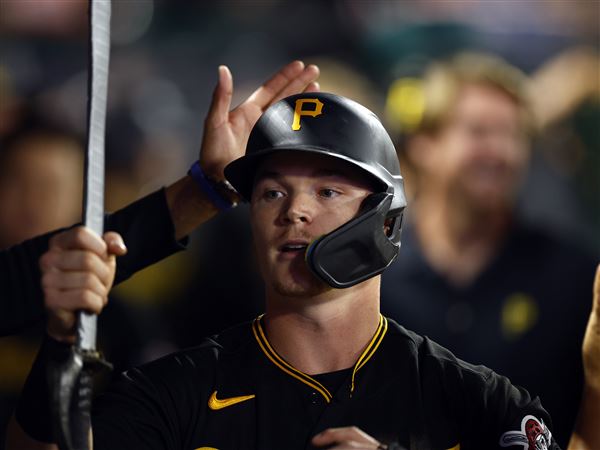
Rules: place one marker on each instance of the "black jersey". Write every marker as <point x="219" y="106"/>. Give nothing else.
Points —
<point x="235" y="392"/>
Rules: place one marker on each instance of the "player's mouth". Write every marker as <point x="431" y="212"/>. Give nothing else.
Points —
<point x="293" y="247"/>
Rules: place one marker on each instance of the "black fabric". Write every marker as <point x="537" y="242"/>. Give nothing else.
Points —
<point x="543" y="276"/>
<point x="36" y="392"/>
<point x="146" y="228"/>
<point x="334" y="380"/>
<point x="411" y="391"/>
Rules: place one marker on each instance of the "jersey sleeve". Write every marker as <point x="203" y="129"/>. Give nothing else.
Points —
<point x="518" y="421"/>
<point x="487" y="410"/>
<point x="20" y="290"/>
<point x="158" y="406"/>
<point x="148" y="233"/>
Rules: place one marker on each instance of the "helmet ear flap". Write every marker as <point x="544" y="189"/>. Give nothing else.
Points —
<point x="395" y="226"/>
<point x="359" y="249"/>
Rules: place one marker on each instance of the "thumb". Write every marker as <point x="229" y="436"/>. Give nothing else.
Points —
<point x="114" y="243"/>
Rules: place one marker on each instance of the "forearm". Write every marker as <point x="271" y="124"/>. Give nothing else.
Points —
<point x="20" y="291"/>
<point x="33" y="416"/>
<point x="586" y="435"/>
<point x="188" y="206"/>
<point x="17" y="439"/>
<point x="151" y="228"/>
<point x="32" y="425"/>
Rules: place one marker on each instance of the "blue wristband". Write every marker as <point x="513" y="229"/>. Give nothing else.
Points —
<point x="208" y="187"/>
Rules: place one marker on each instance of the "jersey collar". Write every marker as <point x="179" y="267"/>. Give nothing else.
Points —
<point x="273" y="356"/>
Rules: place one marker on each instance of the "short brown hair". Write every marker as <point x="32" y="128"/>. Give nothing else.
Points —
<point x="442" y="82"/>
<point x="423" y="105"/>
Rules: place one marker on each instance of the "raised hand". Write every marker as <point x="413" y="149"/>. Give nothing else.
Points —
<point x="226" y="132"/>
<point x="77" y="273"/>
<point x="586" y="435"/>
<point x="591" y="342"/>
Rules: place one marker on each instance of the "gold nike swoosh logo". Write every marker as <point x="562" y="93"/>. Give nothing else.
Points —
<point x="215" y="404"/>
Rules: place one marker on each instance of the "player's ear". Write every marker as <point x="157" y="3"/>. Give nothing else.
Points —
<point x="388" y="225"/>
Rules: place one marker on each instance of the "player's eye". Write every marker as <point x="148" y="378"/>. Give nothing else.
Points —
<point x="328" y="193"/>
<point x="272" y="194"/>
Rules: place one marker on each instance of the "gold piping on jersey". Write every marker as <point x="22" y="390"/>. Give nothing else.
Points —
<point x="270" y="353"/>
<point x="280" y="362"/>
<point x="371" y="348"/>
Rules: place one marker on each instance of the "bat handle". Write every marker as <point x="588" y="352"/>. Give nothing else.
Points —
<point x="72" y="382"/>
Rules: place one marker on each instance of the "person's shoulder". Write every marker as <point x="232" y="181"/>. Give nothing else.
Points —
<point x="201" y="359"/>
<point x="399" y="333"/>
<point x="433" y="357"/>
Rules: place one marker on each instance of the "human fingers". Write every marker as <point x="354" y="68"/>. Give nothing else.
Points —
<point x="351" y="445"/>
<point x="58" y="260"/>
<point x="62" y="307"/>
<point x="313" y="86"/>
<point x="62" y="326"/>
<point x="345" y="436"/>
<point x="591" y="342"/>
<point x="596" y="304"/>
<point x="265" y="94"/>
<point x="65" y="281"/>
<point x="81" y="238"/>
<point x="73" y="300"/>
<point x="111" y="263"/>
<point x="298" y="84"/>
<point x="114" y="243"/>
<point x="218" y="112"/>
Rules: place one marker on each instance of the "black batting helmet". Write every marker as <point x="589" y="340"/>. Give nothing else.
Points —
<point x="340" y="128"/>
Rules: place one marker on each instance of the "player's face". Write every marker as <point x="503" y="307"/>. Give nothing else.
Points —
<point x="482" y="151"/>
<point x="296" y="199"/>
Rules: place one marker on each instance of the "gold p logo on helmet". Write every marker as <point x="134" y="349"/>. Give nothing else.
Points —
<point x="300" y="111"/>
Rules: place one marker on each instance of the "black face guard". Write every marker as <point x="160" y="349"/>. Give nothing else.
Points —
<point x="359" y="249"/>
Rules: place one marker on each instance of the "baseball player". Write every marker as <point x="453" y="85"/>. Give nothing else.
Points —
<point x="322" y="368"/>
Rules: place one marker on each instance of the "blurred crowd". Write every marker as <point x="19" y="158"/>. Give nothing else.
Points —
<point x="494" y="108"/>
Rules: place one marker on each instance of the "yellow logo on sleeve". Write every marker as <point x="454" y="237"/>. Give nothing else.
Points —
<point x="215" y="404"/>
<point x="299" y="111"/>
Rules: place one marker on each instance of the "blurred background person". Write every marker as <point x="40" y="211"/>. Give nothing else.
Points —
<point x="472" y="272"/>
<point x="41" y="179"/>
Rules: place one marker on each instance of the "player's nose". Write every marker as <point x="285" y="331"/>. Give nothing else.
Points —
<point x="297" y="209"/>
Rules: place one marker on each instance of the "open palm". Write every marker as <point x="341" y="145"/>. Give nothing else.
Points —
<point x="226" y="132"/>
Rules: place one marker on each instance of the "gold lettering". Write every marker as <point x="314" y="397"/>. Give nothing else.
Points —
<point x="299" y="111"/>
